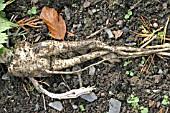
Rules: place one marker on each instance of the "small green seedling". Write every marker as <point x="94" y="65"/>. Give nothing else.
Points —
<point x="160" y="34"/>
<point x="33" y="11"/>
<point x="127" y="16"/>
<point x="82" y="107"/>
<point x="74" y="5"/>
<point x="130" y="73"/>
<point x="127" y="63"/>
<point x="143" y="109"/>
<point x="165" y="100"/>
<point x="143" y="60"/>
<point x="134" y="102"/>
<point x="31" y="88"/>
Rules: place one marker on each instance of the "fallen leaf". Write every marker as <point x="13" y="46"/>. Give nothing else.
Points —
<point x="54" y="21"/>
<point x="70" y="34"/>
<point x="117" y="33"/>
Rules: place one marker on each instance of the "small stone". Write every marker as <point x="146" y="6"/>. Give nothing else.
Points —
<point x="155" y="25"/>
<point x="102" y="94"/>
<point x="6" y="76"/>
<point x="164" y="5"/>
<point x="92" y="70"/>
<point x="86" y="4"/>
<point x="90" y="12"/>
<point x="67" y="13"/>
<point x="111" y="93"/>
<point x="94" y="10"/>
<point x="160" y="71"/>
<point x="109" y="32"/>
<point x="125" y="29"/>
<point x="37" y="107"/>
<point x="114" y="106"/>
<point x="120" y="23"/>
<point x="165" y="72"/>
<point x="158" y="104"/>
<point x="34" y="1"/>
<point x="74" y="106"/>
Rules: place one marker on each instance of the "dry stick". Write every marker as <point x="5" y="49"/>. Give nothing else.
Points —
<point x="45" y="108"/>
<point x="148" y="41"/>
<point x="165" y="45"/>
<point x="93" y="34"/>
<point x="74" y="93"/>
<point x="165" y="28"/>
<point x="152" y="37"/>
<point x="132" y="7"/>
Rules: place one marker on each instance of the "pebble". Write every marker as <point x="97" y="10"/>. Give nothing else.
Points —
<point x="164" y="5"/>
<point x="86" y="4"/>
<point x="109" y="32"/>
<point x="165" y="72"/>
<point x="6" y="76"/>
<point x="125" y="29"/>
<point x="92" y="70"/>
<point x="158" y="104"/>
<point x="37" y="107"/>
<point x="114" y="106"/>
<point x="155" y="25"/>
<point x="67" y="13"/>
<point x="74" y="106"/>
<point x="90" y="12"/>
<point x="160" y="71"/>
<point x="120" y="23"/>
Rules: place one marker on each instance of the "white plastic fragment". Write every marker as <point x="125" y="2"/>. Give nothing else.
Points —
<point x="56" y="105"/>
<point x="89" y="97"/>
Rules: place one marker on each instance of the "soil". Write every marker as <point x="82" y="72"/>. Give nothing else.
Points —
<point x="110" y="79"/>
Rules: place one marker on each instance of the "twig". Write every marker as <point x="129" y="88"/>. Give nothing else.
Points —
<point x="132" y="7"/>
<point x="74" y="93"/>
<point x="45" y="108"/>
<point x="148" y="41"/>
<point x="164" y="33"/>
<point x="165" y="45"/>
<point x="25" y="90"/>
<point x="96" y="32"/>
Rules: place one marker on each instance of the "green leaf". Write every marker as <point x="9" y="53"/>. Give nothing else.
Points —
<point x="132" y="74"/>
<point x="2" y="6"/>
<point x="144" y="110"/>
<point x="2" y="14"/>
<point x="127" y="16"/>
<point x="127" y="72"/>
<point x="82" y="108"/>
<point x="129" y="13"/>
<point x="3" y="38"/>
<point x="5" y="24"/>
<point x="127" y="62"/>
<point x="33" y="10"/>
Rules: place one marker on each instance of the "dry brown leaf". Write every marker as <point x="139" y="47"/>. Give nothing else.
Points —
<point x="54" y="21"/>
<point x="117" y="33"/>
<point x="70" y="34"/>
